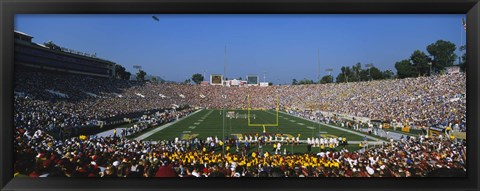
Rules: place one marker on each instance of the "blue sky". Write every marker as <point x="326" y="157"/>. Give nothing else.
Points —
<point x="283" y="46"/>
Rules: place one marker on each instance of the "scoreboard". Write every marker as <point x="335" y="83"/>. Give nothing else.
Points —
<point x="216" y="79"/>
<point x="252" y="80"/>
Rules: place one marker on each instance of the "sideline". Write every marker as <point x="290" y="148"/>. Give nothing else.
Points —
<point x="109" y="133"/>
<point x="157" y="129"/>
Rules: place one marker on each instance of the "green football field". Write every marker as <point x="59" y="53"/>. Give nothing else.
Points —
<point x="210" y="123"/>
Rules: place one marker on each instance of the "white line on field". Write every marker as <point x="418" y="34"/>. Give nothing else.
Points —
<point x="341" y="129"/>
<point x="150" y="133"/>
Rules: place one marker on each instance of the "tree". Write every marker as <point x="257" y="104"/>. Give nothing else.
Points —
<point x="344" y="75"/>
<point x="306" y="81"/>
<point x="464" y="57"/>
<point x="404" y="69"/>
<point x="388" y="74"/>
<point x="375" y="73"/>
<point x="197" y="78"/>
<point x="121" y="72"/>
<point x="420" y="62"/>
<point x="127" y="76"/>
<point x="340" y="78"/>
<point x="356" y="69"/>
<point x="141" y="75"/>
<point x="364" y="75"/>
<point x="154" y="79"/>
<point x="187" y="81"/>
<point x="294" y="81"/>
<point x="443" y="53"/>
<point x="326" y="79"/>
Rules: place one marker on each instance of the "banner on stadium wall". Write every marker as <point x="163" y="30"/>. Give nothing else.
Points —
<point x="406" y="129"/>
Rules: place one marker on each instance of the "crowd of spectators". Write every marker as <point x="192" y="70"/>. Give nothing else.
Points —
<point x="81" y="101"/>
<point x="155" y="120"/>
<point x="39" y="155"/>
<point x="46" y="101"/>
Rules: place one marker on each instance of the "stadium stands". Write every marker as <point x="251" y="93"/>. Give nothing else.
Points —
<point x="424" y="101"/>
<point x="118" y="157"/>
<point x="79" y="101"/>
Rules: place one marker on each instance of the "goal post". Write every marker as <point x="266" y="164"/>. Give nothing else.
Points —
<point x="250" y="124"/>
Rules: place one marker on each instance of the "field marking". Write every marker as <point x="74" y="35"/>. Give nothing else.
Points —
<point x="293" y="121"/>
<point x="300" y="123"/>
<point x="201" y="119"/>
<point x="150" y="133"/>
<point x="206" y="115"/>
<point x="188" y="136"/>
<point x="310" y="127"/>
<point x="341" y="129"/>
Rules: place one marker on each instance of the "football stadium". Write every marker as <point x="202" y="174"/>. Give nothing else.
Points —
<point x="77" y="115"/>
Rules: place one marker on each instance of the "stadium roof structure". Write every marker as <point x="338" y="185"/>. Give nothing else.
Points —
<point x="40" y="45"/>
<point x="22" y="33"/>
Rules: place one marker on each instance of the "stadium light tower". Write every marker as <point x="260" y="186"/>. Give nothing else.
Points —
<point x="318" y="68"/>
<point x="329" y="70"/>
<point x="369" y="66"/>
<point x="264" y="76"/>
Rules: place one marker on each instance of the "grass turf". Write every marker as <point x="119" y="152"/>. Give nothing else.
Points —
<point x="209" y="123"/>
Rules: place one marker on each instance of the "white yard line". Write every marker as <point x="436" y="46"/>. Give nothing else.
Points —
<point x="150" y="133"/>
<point x="338" y="128"/>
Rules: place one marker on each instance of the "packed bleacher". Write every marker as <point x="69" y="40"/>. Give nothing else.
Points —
<point x="72" y="100"/>
<point x="39" y="155"/>
<point x="47" y="101"/>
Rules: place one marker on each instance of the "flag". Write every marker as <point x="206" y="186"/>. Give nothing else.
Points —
<point x="464" y="24"/>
